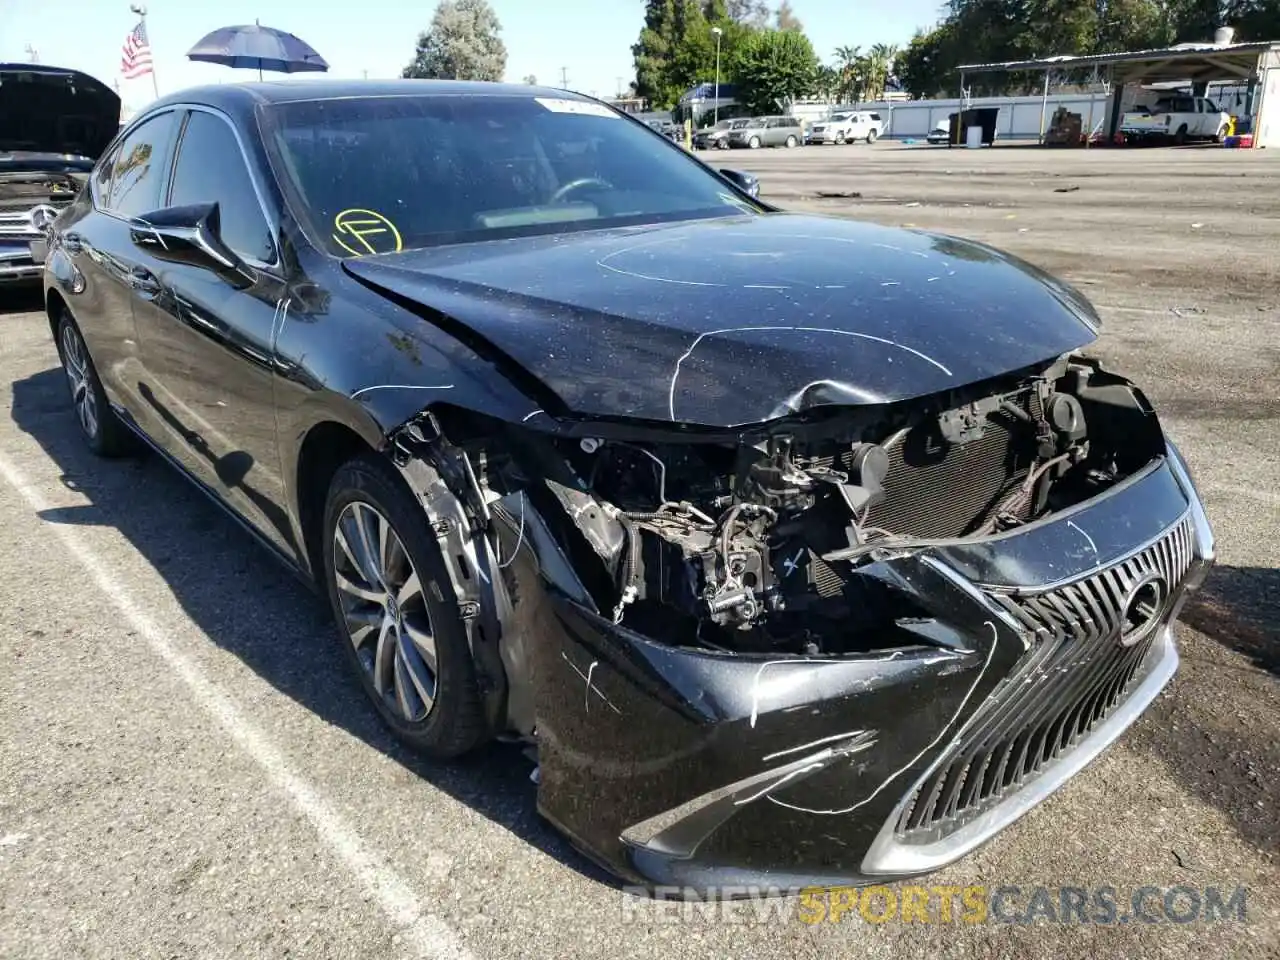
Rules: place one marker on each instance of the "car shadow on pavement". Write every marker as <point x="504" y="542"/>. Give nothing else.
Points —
<point x="255" y="609"/>
<point x="1239" y="607"/>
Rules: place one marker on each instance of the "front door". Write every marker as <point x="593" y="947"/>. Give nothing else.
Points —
<point x="208" y="340"/>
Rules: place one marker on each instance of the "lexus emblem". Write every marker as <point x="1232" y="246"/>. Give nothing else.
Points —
<point x="42" y="217"/>
<point x="1144" y="606"/>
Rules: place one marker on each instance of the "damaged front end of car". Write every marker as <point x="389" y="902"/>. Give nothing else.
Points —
<point x="852" y="642"/>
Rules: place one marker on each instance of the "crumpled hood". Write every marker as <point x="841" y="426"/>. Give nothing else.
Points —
<point x="55" y="111"/>
<point x="738" y="320"/>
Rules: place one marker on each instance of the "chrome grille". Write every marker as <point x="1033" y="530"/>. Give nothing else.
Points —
<point x="1089" y="639"/>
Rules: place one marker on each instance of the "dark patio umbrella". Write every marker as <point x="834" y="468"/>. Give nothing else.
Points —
<point x="254" y="46"/>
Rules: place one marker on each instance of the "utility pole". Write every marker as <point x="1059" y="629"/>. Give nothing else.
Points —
<point x="33" y="55"/>
<point x="564" y="78"/>
<point x="141" y="11"/>
<point x="718" y="32"/>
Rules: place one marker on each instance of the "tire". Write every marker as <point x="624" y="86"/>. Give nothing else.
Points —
<point x="1221" y="135"/>
<point x="791" y="142"/>
<point x="103" y="431"/>
<point x="434" y="707"/>
<point x="871" y="136"/>
<point x="840" y="141"/>
<point x="1181" y="136"/>
<point x="754" y="143"/>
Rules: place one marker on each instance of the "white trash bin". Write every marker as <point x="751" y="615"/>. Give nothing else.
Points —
<point x="973" y="136"/>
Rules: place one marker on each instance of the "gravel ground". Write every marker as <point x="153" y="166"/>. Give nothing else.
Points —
<point x="185" y="771"/>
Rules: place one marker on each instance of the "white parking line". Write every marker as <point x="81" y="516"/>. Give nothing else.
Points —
<point x="427" y="933"/>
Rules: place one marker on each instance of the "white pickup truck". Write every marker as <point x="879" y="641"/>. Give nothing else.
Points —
<point x="1179" y="118"/>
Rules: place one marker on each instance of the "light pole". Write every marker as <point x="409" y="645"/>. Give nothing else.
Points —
<point x="719" y="33"/>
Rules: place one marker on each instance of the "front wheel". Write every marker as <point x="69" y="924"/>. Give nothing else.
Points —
<point x="397" y="613"/>
<point x="754" y="143"/>
<point x="102" y="430"/>
<point x="1181" y="136"/>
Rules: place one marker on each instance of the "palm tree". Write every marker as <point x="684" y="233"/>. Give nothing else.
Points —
<point x="850" y="60"/>
<point x="879" y="63"/>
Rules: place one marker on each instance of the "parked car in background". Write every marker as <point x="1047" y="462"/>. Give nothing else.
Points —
<point x="669" y="129"/>
<point x="767" y="132"/>
<point x="835" y="130"/>
<point x="941" y="132"/>
<point x="717" y="137"/>
<point x="54" y="123"/>
<point x="1179" y="119"/>
<point x="866" y="125"/>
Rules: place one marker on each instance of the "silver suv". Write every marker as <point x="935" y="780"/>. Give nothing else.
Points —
<point x="768" y="132"/>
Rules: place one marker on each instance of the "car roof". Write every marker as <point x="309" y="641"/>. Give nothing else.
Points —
<point x="243" y="98"/>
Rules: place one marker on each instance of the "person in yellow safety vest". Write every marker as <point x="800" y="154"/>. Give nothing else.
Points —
<point x="688" y="133"/>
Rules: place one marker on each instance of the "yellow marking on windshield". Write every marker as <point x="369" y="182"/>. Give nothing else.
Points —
<point x="368" y="231"/>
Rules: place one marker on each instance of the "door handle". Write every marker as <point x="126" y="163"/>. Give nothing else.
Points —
<point x="143" y="281"/>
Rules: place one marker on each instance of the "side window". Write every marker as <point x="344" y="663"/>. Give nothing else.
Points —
<point x="102" y="179"/>
<point x="211" y="169"/>
<point x="136" y="175"/>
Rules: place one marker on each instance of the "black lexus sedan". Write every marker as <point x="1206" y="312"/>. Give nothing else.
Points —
<point x="54" y="123"/>
<point x="805" y="551"/>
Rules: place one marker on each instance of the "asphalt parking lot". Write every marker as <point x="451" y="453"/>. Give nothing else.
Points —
<point x="187" y="772"/>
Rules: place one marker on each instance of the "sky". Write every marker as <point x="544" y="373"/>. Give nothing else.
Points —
<point x="588" y="39"/>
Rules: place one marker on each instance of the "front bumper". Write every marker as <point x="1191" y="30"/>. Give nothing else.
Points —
<point x="675" y="766"/>
<point x="21" y="260"/>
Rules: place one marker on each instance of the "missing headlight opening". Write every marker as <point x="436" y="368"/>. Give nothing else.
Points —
<point x="766" y="540"/>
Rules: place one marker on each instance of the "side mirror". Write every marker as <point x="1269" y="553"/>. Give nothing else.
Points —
<point x="188" y="234"/>
<point x="743" y="181"/>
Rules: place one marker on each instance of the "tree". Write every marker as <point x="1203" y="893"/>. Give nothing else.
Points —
<point x="849" y="63"/>
<point x="531" y="80"/>
<point x="927" y="67"/>
<point x="878" y="63"/>
<point x="749" y="13"/>
<point x="773" y="68"/>
<point x="785" y="19"/>
<point x="653" y="52"/>
<point x="677" y="49"/>
<point x="462" y="43"/>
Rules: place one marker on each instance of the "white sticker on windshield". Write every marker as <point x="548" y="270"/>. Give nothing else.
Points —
<point x="557" y="105"/>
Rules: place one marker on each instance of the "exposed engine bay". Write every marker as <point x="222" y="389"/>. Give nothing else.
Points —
<point x="756" y="542"/>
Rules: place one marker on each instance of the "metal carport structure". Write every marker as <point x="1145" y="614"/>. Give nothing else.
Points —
<point x="1255" y="63"/>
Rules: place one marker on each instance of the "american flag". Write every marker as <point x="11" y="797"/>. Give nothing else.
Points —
<point x="135" y="58"/>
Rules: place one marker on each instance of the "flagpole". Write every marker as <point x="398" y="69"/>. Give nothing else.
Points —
<point x="141" y="11"/>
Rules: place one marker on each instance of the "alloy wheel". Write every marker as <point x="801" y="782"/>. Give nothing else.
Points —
<point x="384" y="610"/>
<point x="75" y="362"/>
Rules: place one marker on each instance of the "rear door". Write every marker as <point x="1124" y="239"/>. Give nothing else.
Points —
<point x="208" y="342"/>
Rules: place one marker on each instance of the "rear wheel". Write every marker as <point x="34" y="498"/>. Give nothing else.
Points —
<point x="791" y="142"/>
<point x="102" y="430"/>
<point x="1181" y="136"/>
<point x="397" y="613"/>
<point x="871" y="136"/>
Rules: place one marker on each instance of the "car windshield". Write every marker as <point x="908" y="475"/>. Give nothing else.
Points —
<point x="382" y="174"/>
